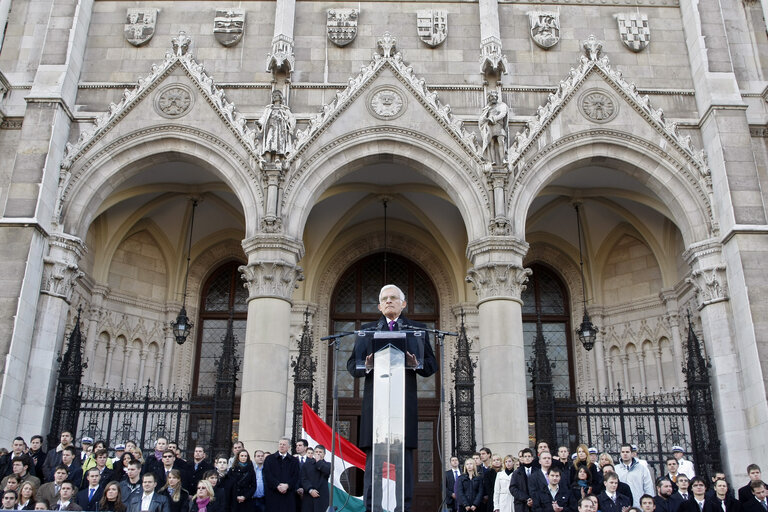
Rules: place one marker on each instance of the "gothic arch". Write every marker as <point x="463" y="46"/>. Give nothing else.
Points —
<point x="682" y="194"/>
<point x="91" y="180"/>
<point x="452" y="172"/>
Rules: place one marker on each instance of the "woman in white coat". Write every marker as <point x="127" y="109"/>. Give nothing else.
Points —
<point x="502" y="499"/>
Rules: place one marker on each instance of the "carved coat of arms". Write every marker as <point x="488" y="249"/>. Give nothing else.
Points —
<point x="634" y="30"/>
<point x="342" y="25"/>
<point x="228" y="26"/>
<point x="545" y="28"/>
<point x="432" y="26"/>
<point x="140" y="25"/>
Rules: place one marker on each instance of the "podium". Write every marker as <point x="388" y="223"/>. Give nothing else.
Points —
<point x="388" y="448"/>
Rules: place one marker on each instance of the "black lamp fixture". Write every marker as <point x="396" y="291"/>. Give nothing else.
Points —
<point x="587" y="331"/>
<point x="182" y="325"/>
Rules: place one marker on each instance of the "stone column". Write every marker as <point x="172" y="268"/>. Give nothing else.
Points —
<point x="126" y="357"/>
<point x="611" y="387"/>
<point x="158" y="364"/>
<point x="625" y="372"/>
<point x="499" y="279"/>
<point x="92" y="337"/>
<point x="168" y="350"/>
<point x="142" y="365"/>
<point x="31" y="367"/>
<point x="641" y="367"/>
<point x="492" y="61"/>
<point x="108" y="367"/>
<point x="281" y="59"/>
<point x="600" y="362"/>
<point x="271" y="276"/>
<point x="729" y="336"/>
<point x="673" y="319"/>
<point x="659" y="373"/>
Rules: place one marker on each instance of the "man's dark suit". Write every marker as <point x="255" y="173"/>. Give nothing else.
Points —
<point x="277" y="470"/>
<point x="606" y="504"/>
<point x="677" y="500"/>
<point x="662" y="504"/>
<point x="92" y="504"/>
<point x="752" y="505"/>
<point x="537" y="482"/>
<point x="365" y="437"/>
<point x="745" y="493"/>
<point x="314" y="476"/>
<point x="159" y="503"/>
<point x="714" y="504"/>
<point x="198" y="472"/>
<point x="689" y="506"/>
<point x="518" y="488"/>
<point x="450" y="482"/>
<point x="542" y="500"/>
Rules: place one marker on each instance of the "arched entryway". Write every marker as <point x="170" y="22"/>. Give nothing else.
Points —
<point x="354" y="302"/>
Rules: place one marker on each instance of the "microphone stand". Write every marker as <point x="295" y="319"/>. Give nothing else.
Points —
<point x="334" y="338"/>
<point x="440" y="342"/>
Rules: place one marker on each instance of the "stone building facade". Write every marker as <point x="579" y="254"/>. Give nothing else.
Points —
<point x="650" y="115"/>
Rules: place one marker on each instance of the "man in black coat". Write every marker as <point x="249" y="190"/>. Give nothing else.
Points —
<point x="554" y="497"/>
<point x="611" y="500"/>
<point x="281" y="479"/>
<point x="518" y="484"/>
<point x="757" y="502"/>
<point x="198" y="466"/>
<point x="391" y="304"/>
<point x="451" y="475"/>
<point x="314" y="480"/>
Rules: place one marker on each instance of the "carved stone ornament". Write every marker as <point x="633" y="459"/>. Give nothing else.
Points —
<point x="174" y="101"/>
<point x="432" y="26"/>
<point x="60" y="269"/>
<point x="634" y="30"/>
<point x="710" y="284"/>
<point x="498" y="280"/>
<point x="386" y="103"/>
<point x="545" y="28"/>
<point x="228" y="26"/>
<point x="341" y="25"/>
<point x="140" y="25"/>
<point x="598" y="106"/>
<point x="275" y="279"/>
<point x="282" y="57"/>
<point x="492" y="61"/>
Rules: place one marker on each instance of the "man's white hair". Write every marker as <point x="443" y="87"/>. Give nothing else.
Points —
<point x="387" y="286"/>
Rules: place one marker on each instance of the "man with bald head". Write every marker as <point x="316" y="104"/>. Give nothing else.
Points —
<point x="392" y="304"/>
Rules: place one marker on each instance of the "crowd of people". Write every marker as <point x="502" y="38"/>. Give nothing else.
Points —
<point x="588" y="481"/>
<point x="87" y="478"/>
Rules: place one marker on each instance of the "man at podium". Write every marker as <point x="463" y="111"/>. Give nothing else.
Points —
<point x="391" y="304"/>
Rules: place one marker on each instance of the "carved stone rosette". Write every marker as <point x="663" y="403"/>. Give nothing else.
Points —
<point x="60" y="270"/>
<point x="498" y="280"/>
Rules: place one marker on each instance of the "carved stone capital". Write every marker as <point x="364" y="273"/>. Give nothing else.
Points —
<point x="497" y="250"/>
<point x="276" y="279"/>
<point x="60" y="270"/>
<point x="711" y="285"/>
<point x="269" y="247"/>
<point x="498" y="281"/>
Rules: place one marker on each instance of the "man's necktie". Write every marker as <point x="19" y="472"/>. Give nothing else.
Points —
<point x="701" y="505"/>
<point x="391" y="325"/>
<point x="455" y="475"/>
<point x="765" y="505"/>
<point x="90" y="494"/>
<point x="613" y="498"/>
<point x="527" y="471"/>
<point x="685" y="496"/>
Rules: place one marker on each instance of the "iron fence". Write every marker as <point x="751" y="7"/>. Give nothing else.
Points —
<point x="653" y="422"/>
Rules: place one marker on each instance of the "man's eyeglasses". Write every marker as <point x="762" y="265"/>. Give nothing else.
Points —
<point x="393" y="298"/>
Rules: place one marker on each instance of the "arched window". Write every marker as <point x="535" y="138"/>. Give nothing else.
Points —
<point x="222" y="292"/>
<point x="547" y="297"/>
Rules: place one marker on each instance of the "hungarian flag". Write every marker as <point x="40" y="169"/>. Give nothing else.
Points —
<point x="316" y="431"/>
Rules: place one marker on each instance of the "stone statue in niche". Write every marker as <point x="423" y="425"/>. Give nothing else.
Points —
<point x="277" y="125"/>
<point x="494" y="127"/>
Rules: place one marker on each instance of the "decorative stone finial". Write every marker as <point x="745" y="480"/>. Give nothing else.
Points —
<point x="593" y="46"/>
<point x="181" y="44"/>
<point x="387" y="44"/>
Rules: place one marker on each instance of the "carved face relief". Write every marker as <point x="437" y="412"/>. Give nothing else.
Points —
<point x="173" y="101"/>
<point x="140" y="25"/>
<point x="432" y="26"/>
<point x="598" y="106"/>
<point x="341" y="25"/>
<point x="634" y="30"/>
<point x="228" y="26"/>
<point x="386" y="103"/>
<point x="545" y="28"/>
